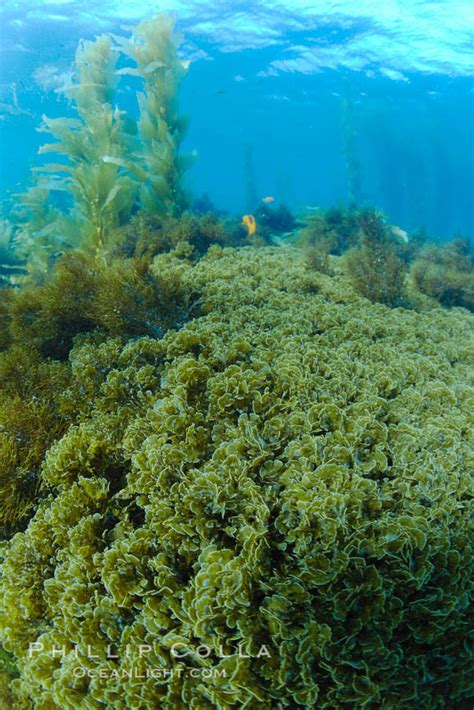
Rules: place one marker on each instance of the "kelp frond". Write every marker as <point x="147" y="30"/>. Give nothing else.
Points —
<point x="103" y="192"/>
<point x="153" y="47"/>
<point x="10" y="263"/>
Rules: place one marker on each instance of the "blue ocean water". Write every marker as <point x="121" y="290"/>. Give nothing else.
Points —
<point x="313" y="102"/>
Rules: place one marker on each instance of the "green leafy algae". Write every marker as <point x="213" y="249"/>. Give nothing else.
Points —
<point x="289" y="468"/>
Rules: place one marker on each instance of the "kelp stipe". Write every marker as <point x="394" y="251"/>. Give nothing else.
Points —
<point x="349" y="148"/>
<point x="161" y="129"/>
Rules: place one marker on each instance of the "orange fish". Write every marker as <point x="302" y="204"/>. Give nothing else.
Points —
<point x="248" y="220"/>
<point x="268" y="199"/>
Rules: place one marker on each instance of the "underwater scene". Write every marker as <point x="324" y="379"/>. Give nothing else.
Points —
<point x="236" y="355"/>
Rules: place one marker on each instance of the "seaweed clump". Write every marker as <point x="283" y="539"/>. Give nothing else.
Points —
<point x="327" y="233"/>
<point x="446" y="273"/>
<point x="276" y="220"/>
<point x="34" y="412"/>
<point x="333" y="231"/>
<point x="378" y="266"/>
<point x="266" y="504"/>
<point x="149" y="235"/>
<point x="84" y="295"/>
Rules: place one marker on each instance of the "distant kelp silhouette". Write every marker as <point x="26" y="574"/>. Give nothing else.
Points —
<point x="111" y="165"/>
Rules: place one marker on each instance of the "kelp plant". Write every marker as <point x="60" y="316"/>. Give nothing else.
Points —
<point x="111" y="165"/>
<point x="103" y="192"/>
<point x="161" y="128"/>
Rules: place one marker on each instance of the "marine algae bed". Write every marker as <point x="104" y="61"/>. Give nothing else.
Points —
<point x="288" y="468"/>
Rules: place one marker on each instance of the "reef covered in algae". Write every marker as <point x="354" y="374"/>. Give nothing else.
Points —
<point x="287" y="470"/>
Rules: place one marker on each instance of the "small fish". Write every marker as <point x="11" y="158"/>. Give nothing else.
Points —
<point x="248" y="221"/>
<point x="281" y="239"/>
<point x="277" y="240"/>
<point x="400" y="233"/>
<point x="268" y="200"/>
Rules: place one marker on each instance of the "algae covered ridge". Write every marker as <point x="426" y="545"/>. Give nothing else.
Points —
<point x="234" y="474"/>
